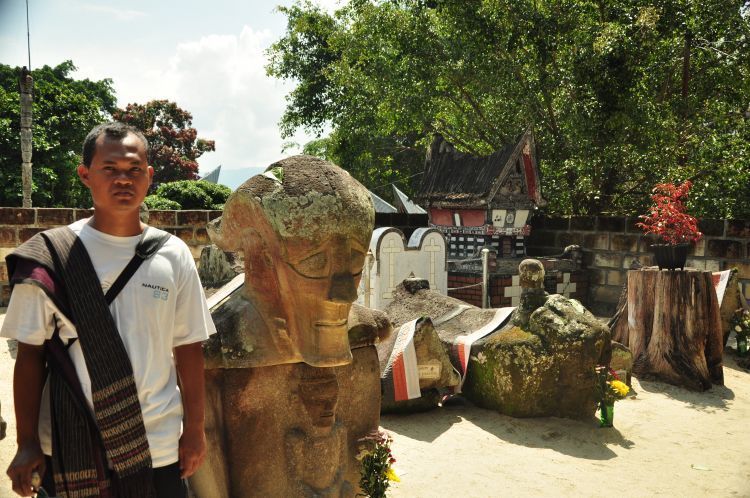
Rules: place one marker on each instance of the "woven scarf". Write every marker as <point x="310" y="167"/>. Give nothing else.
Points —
<point x="116" y="427"/>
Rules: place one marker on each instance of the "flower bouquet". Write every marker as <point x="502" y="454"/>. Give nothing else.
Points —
<point x="377" y="464"/>
<point x="609" y="389"/>
<point x="668" y="219"/>
<point x="740" y="322"/>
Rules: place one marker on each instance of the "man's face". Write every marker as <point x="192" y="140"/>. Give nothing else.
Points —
<point x="119" y="176"/>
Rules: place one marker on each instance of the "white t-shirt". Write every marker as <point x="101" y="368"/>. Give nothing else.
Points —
<point x="161" y="307"/>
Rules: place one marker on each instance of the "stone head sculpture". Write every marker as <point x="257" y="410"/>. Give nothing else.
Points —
<point x="533" y="295"/>
<point x="304" y="227"/>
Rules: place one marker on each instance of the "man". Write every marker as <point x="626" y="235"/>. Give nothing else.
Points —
<point x="137" y="433"/>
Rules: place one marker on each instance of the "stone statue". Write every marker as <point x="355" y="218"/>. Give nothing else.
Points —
<point x="304" y="227"/>
<point x="322" y="436"/>
<point x="533" y="295"/>
<point x="292" y="376"/>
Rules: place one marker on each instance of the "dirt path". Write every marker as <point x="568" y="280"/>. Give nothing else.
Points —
<point x="666" y="442"/>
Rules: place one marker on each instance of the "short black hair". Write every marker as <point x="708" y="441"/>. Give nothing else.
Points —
<point x="113" y="129"/>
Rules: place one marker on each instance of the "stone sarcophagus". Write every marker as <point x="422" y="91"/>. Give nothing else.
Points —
<point x="536" y="359"/>
<point x="292" y="376"/>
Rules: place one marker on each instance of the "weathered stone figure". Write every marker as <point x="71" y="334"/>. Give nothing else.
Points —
<point x="288" y="393"/>
<point x="322" y="437"/>
<point x="533" y="295"/>
<point x="304" y="227"/>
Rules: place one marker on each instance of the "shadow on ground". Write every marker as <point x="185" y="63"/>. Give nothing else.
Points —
<point x="715" y="398"/>
<point x="577" y="438"/>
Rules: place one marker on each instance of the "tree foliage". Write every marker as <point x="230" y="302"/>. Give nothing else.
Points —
<point x="621" y="95"/>
<point x="65" y="109"/>
<point x="174" y="143"/>
<point x="154" y="201"/>
<point x="189" y="194"/>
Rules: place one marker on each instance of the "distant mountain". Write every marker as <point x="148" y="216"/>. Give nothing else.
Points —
<point x="233" y="178"/>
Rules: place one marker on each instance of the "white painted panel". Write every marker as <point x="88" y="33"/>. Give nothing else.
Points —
<point x="521" y="216"/>
<point x="498" y="217"/>
<point x="425" y="256"/>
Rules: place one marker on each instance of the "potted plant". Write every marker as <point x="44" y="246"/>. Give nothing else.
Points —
<point x="609" y="389"/>
<point x="669" y="220"/>
<point x="741" y="325"/>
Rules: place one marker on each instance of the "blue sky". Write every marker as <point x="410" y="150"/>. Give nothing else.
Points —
<point x="205" y="55"/>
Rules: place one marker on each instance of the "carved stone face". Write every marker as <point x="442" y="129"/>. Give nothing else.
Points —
<point x="321" y="281"/>
<point x="319" y="396"/>
<point x="304" y="227"/>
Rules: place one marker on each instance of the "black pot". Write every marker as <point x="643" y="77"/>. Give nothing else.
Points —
<point x="671" y="256"/>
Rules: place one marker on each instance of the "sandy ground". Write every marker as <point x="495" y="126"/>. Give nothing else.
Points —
<point x="667" y="441"/>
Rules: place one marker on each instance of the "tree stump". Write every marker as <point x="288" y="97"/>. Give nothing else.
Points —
<point x="674" y="327"/>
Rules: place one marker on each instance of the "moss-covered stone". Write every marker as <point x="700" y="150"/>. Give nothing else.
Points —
<point x="541" y="364"/>
<point x="547" y="370"/>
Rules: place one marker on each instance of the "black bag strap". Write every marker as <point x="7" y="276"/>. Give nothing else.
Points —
<point x="152" y="239"/>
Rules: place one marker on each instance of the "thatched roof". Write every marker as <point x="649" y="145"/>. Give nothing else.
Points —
<point x="459" y="179"/>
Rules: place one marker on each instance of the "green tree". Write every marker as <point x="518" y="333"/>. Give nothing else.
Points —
<point x="621" y="95"/>
<point x="174" y="146"/>
<point x="65" y="110"/>
<point x="189" y="194"/>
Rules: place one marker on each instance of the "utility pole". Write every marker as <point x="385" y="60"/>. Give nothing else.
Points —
<point x="26" y="82"/>
<point x="27" y="87"/>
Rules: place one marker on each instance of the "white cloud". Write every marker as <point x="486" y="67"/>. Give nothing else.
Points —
<point x="119" y="14"/>
<point x="221" y="81"/>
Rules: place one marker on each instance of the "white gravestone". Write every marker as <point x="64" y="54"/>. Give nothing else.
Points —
<point x="395" y="260"/>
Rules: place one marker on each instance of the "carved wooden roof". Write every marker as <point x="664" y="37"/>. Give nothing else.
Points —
<point x="457" y="179"/>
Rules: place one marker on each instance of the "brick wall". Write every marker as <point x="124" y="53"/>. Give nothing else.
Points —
<point x="611" y="244"/>
<point x="17" y="225"/>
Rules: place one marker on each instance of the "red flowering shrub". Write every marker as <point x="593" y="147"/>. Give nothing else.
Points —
<point x="667" y="217"/>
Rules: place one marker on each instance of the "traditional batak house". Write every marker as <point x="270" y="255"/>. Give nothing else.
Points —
<point x="482" y="201"/>
<point x="475" y="202"/>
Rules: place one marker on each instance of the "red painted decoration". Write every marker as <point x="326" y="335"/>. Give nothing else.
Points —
<point x="530" y="177"/>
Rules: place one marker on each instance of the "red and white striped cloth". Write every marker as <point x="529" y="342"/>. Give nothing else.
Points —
<point x="404" y="370"/>
<point x="462" y="348"/>
<point x="403" y="361"/>
<point x="720" y="280"/>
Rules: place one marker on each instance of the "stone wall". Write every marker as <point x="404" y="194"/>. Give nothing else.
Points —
<point x="505" y="290"/>
<point x="611" y="244"/>
<point x="17" y="225"/>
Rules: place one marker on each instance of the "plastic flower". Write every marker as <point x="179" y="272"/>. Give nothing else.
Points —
<point x="391" y="475"/>
<point x="377" y="460"/>
<point x="609" y="387"/>
<point x="621" y="388"/>
<point x="668" y="217"/>
<point x="741" y="321"/>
